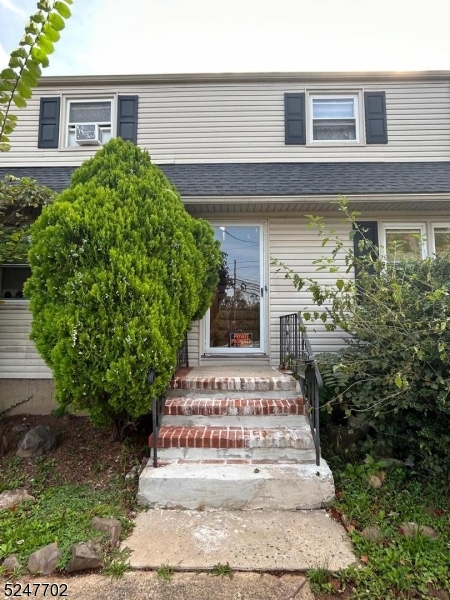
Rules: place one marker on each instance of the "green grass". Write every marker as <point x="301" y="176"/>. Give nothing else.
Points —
<point x="60" y="514"/>
<point x="397" y="566"/>
<point x="117" y="563"/>
<point x="165" y="572"/>
<point x="11" y="476"/>
<point x="220" y="570"/>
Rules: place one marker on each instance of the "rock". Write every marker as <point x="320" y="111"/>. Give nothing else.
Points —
<point x="11" y="562"/>
<point x="354" y="422"/>
<point x="144" y="463"/>
<point x="20" y="428"/>
<point x="44" y="560"/>
<point x="345" y="520"/>
<point x="10" y="498"/>
<point x="374" y="481"/>
<point x="372" y="533"/>
<point x="36" y="442"/>
<point x="86" y="555"/>
<point x="5" y="444"/>
<point x="410" y="530"/>
<point x="112" y="526"/>
<point x="133" y="473"/>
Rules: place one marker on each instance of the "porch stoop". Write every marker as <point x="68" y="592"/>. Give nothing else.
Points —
<point x="235" y="438"/>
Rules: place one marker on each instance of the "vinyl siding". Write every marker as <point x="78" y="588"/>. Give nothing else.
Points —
<point x="244" y="122"/>
<point x="288" y="239"/>
<point x="194" y="344"/>
<point x="297" y="246"/>
<point x="19" y="358"/>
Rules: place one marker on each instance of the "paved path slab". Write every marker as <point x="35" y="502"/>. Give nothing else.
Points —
<point x="247" y="540"/>
<point x="182" y="586"/>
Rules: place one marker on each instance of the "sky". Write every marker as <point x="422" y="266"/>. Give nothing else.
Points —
<point x="217" y="36"/>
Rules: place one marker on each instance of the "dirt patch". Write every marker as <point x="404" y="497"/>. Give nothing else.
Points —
<point x="84" y="454"/>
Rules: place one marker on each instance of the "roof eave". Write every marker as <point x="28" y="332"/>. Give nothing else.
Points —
<point x="288" y="77"/>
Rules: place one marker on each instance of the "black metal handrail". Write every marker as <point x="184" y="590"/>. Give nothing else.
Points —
<point x="183" y="354"/>
<point x="157" y="415"/>
<point x="296" y="354"/>
<point x="159" y="403"/>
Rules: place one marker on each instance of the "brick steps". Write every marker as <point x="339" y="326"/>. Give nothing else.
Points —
<point x="184" y="380"/>
<point x="233" y="437"/>
<point x="257" y="406"/>
<point x="239" y="442"/>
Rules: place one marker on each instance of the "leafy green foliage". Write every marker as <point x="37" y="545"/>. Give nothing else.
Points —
<point x="62" y="514"/>
<point x="165" y="572"/>
<point x="319" y="579"/>
<point x="119" y="271"/>
<point x="396" y="566"/>
<point x="117" y="563"/>
<point x="395" y="371"/>
<point x="222" y="570"/>
<point x="21" y="202"/>
<point x="26" y="62"/>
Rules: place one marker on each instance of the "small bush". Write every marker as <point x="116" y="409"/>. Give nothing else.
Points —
<point x="395" y="371"/>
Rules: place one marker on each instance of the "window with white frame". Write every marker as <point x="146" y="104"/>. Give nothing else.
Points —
<point x="403" y="241"/>
<point x="334" y="118"/>
<point x="441" y="239"/>
<point x="88" y="121"/>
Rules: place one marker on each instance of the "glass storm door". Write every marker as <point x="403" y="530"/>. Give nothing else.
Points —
<point x="234" y="323"/>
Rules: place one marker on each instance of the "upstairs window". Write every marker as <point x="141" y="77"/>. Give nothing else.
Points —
<point x="334" y="118"/>
<point x="89" y="122"/>
<point x="86" y="123"/>
<point x="343" y="118"/>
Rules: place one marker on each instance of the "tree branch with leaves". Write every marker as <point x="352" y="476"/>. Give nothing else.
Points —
<point x="394" y="318"/>
<point x="27" y="61"/>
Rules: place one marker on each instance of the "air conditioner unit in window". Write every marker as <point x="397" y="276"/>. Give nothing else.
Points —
<point x="88" y="135"/>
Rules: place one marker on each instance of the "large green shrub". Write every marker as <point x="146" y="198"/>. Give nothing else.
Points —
<point x="119" y="271"/>
<point x="395" y="370"/>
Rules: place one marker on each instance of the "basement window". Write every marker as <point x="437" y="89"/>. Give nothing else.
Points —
<point x="12" y="280"/>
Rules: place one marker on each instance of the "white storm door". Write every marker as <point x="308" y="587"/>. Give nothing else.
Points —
<point x="235" y="323"/>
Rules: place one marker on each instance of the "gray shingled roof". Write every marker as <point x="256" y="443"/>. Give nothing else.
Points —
<point x="282" y="179"/>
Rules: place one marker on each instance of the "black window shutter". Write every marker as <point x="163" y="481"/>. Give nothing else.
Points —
<point x="48" y="136"/>
<point x="370" y="231"/>
<point x="294" y="119"/>
<point x="376" y="122"/>
<point x="127" y="114"/>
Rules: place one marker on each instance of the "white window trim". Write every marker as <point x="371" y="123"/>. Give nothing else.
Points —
<point x="403" y="225"/>
<point x="64" y="125"/>
<point x="338" y="95"/>
<point x="436" y="225"/>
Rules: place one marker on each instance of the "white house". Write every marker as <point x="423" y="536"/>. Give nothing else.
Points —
<point x="252" y="153"/>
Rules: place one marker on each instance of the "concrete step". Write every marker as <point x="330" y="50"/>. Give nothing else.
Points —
<point x="239" y="486"/>
<point x="197" y="379"/>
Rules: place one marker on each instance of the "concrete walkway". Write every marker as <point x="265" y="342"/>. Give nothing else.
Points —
<point x="246" y="540"/>
<point x="182" y="586"/>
